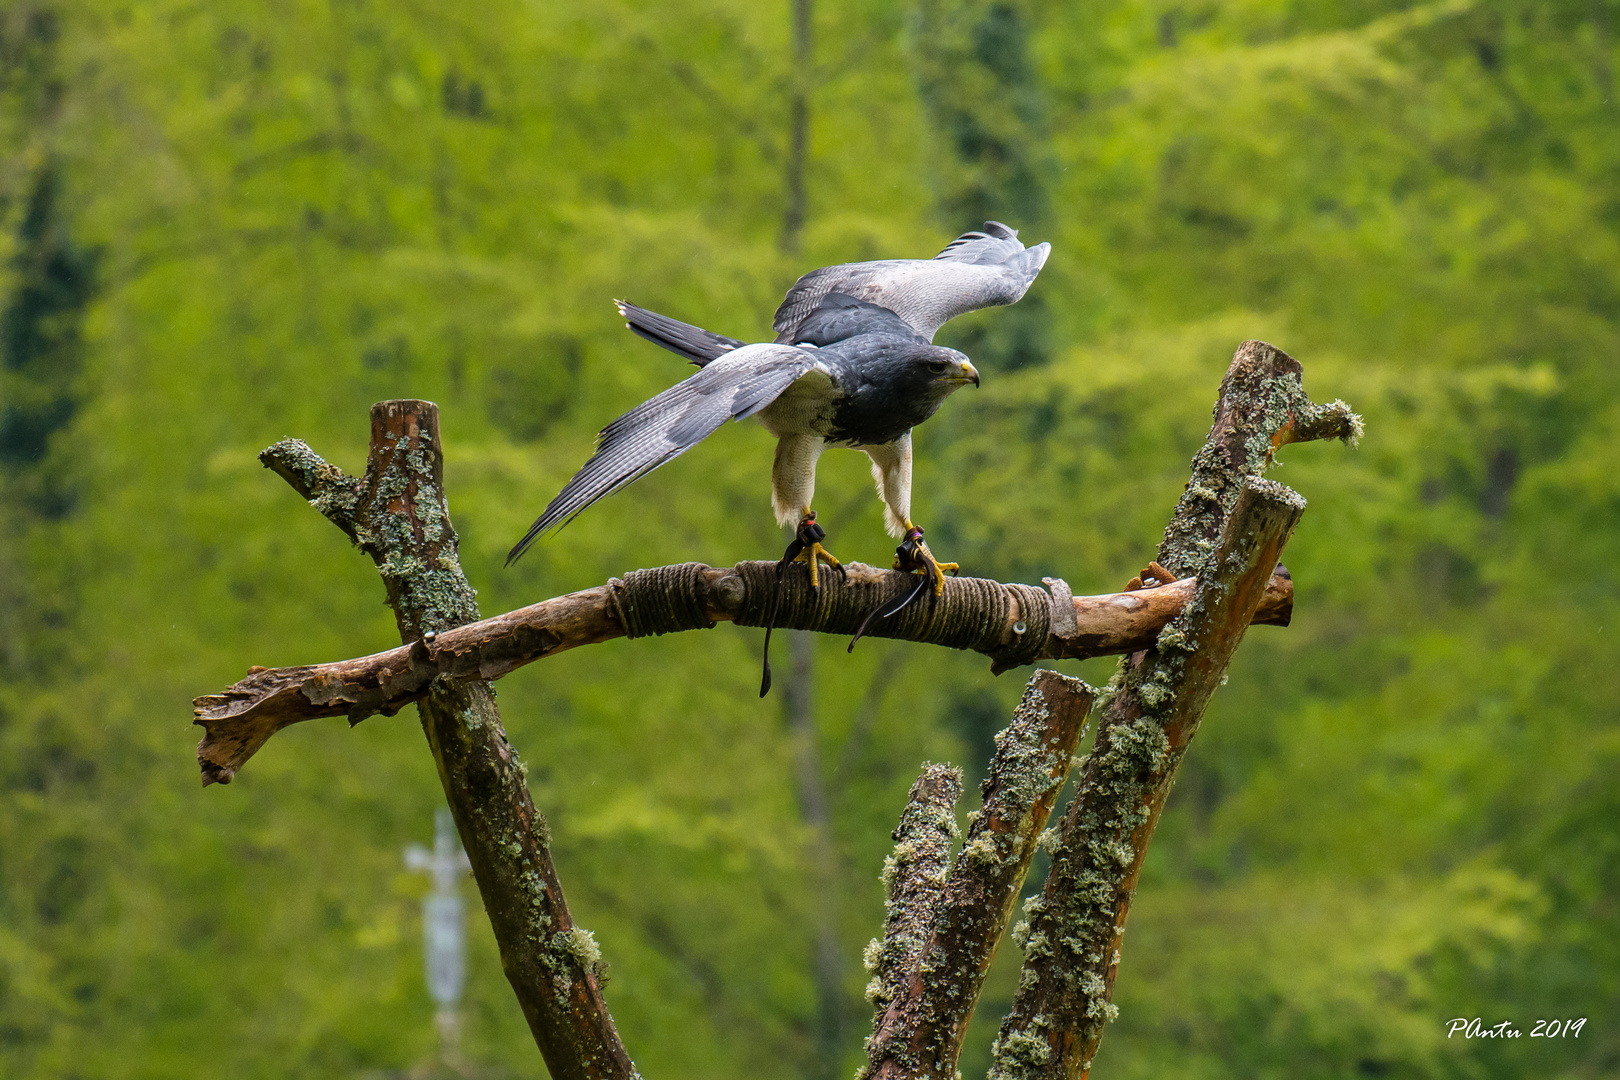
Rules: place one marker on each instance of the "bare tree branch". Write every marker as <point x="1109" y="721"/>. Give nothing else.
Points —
<point x="920" y="1033"/>
<point x="399" y="516"/>
<point x="240" y="720"/>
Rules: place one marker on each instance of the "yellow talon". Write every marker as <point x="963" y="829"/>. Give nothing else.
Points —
<point x="937" y="570"/>
<point x="814" y="554"/>
<point x="913" y="555"/>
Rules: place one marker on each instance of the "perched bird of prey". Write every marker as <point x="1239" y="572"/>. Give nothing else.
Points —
<point x="852" y="365"/>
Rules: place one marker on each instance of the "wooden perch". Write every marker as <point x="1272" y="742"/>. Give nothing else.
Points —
<point x="1215" y="574"/>
<point x="398" y="515"/>
<point x="240" y="720"/>
<point x="930" y="1000"/>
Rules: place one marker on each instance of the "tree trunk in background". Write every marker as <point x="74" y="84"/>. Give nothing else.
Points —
<point x="827" y="966"/>
<point x="982" y="92"/>
<point x="796" y="204"/>
<point x="798" y="703"/>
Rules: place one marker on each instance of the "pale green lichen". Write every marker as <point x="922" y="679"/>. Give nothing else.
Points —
<point x="1016" y="1053"/>
<point x="581" y="947"/>
<point x="982" y="850"/>
<point x="872" y="955"/>
<point x="913" y="879"/>
<point x="1172" y="637"/>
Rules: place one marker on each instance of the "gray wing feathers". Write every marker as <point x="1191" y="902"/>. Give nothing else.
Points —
<point x="995" y="245"/>
<point x="842" y="317"/>
<point x="665" y="427"/>
<point x="976" y="270"/>
<point x="807" y="293"/>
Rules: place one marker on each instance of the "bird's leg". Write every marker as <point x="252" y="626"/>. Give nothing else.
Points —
<point x="809" y="538"/>
<point x="913" y="555"/>
<point x="805" y="547"/>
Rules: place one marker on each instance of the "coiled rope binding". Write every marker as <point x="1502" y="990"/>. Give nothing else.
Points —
<point x="973" y="613"/>
<point x="662" y="600"/>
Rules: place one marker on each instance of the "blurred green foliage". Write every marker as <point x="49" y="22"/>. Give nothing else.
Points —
<point x="226" y="223"/>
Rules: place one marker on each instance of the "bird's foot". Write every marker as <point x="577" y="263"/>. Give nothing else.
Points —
<point x="913" y="555"/>
<point x="808" y="540"/>
<point x="806" y="548"/>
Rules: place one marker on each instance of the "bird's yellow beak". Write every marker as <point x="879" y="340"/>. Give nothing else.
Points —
<point x="969" y="374"/>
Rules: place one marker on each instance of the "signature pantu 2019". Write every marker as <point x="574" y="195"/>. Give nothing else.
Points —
<point x="1543" y="1029"/>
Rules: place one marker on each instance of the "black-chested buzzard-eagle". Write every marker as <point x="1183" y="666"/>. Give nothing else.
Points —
<point x="852" y="365"/>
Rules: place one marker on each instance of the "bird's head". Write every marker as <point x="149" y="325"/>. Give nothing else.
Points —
<point x="949" y="367"/>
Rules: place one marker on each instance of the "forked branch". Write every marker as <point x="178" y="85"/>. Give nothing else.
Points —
<point x="929" y="1001"/>
<point x="1072" y="938"/>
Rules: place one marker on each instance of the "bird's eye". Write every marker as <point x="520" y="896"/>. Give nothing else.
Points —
<point x="938" y="367"/>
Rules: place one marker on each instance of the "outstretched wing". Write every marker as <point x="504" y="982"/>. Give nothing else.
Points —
<point x="976" y="270"/>
<point x="735" y="386"/>
<point x="683" y="339"/>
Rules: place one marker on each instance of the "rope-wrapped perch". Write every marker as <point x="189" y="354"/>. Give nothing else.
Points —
<point x="1008" y="623"/>
<point x="1012" y="624"/>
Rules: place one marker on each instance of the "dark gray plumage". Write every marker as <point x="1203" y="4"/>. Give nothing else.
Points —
<point x="683" y="339"/>
<point x="841" y="317"/>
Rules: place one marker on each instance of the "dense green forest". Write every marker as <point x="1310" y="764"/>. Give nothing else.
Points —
<point x="226" y="223"/>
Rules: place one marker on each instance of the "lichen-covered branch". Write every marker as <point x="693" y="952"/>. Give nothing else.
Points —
<point x="1262" y="406"/>
<point x="240" y="719"/>
<point x="327" y="488"/>
<point x="399" y="516"/>
<point x="920" y="1032"/>
<point x="1227" y="532"/>
<point x="913" y="881"/>
<point x="1072" y="936"/>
